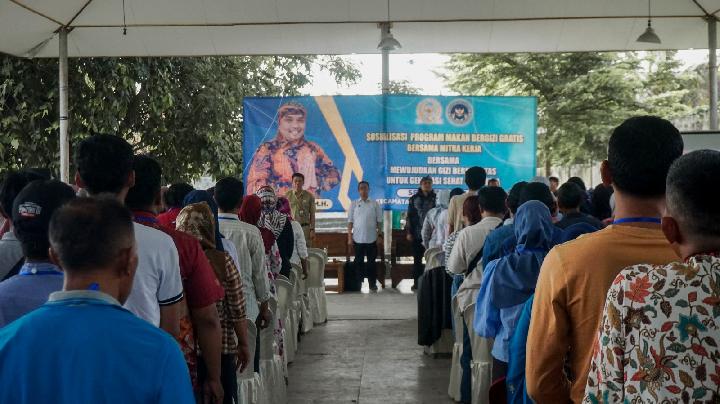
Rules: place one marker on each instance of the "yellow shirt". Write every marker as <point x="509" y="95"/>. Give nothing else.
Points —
<point x="569" y="302"/>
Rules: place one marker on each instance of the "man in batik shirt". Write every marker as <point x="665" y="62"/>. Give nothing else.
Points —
<point x="276" y="161"/>
<point x="658" y="341"/>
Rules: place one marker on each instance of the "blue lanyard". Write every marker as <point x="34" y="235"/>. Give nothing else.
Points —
<point x="637" y="220"/>
<point x="228" y="218"/>
<point x="39" y="269"/>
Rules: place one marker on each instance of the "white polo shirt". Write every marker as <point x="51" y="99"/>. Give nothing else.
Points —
<point x="157" y="279"/>
<point x="365" y="217"/>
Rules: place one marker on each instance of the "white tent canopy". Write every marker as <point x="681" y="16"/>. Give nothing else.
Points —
<point x="254" y="27"/>
<point x="87" y="28"/>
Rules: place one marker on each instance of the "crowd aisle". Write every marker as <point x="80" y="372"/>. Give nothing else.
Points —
<point x="368" y="353"/>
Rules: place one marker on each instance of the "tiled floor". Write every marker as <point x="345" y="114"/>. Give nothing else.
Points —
<point x="368" y="353"/>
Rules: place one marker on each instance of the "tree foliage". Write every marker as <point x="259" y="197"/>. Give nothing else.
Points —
<point x="581" y="96"/>
<point x="186" y="112"/>
<point x="401" y="87"/>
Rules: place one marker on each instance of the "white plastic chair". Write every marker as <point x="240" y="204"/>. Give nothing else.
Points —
<point x="272" y="371"/>
<point x="481" y="365"/>
<point x="284" y="290"/>
<point x="455" y="368"/>
<point x="316" y="286"/>
<point x="305" y="313"/>
<point x="250" y="388"/>
<point x="293" y="318"/>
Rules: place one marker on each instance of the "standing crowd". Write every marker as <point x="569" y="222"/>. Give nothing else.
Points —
<point x="132" y="294"/>
<point x="603" y="296"/>
<point x="115" y="291"/>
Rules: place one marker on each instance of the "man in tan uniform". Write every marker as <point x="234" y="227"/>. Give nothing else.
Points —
<point x="302" y="205"/>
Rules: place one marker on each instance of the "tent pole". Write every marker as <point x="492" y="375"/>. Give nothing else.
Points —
<point x="387" y="214"/>
<point x="64" y="147"/>
<point x="712" y="70"/>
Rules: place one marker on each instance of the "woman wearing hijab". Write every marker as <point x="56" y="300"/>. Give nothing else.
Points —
<point x="279" y="225"/>
<point x="251" y="212"/>
<point x="196" y="219"/>
<point x="508" y="282"/>
<point x="221" y="243"/>
<point x="300" y="252"/>
<point x="435" y="226"/>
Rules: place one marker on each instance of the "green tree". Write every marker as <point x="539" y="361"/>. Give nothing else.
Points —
<point x="581" y="96"/>
<point x="186" y="112"/>
<point x="401" y="87"/>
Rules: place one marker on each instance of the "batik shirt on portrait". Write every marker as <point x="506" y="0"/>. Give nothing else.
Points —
<point x="276" y="161"/>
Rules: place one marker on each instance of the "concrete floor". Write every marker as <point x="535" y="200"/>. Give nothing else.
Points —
<point x="368" y="353"/>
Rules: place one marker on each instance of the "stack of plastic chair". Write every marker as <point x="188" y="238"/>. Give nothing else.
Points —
<point x="292" y="319"/>
<point x="250" y="387"/>
<point x="272" y="370"/>
<point x="316" y="285"/>
<point x="455" y="368"/>
<point x="284" y="294"/>
<point x="481" y="365"/>
<point x="297" y="300"/>
<point x="305" y="313"/>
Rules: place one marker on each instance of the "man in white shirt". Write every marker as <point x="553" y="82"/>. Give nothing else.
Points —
<point x="246" y="239"/>
<point x="467" y="252"/>
<point x="364" y="224"/>
<point x="105" y="169"/>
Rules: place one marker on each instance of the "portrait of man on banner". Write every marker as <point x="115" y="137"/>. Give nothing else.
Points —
<point x="275" y="161"/>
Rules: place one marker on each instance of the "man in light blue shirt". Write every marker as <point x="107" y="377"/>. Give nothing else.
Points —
<point x="364" y="224"/>
<point x="82" y="346"/>
<point x="38" y="277"/>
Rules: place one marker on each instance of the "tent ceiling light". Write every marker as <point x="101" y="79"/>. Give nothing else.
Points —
<point x="649" y="36"/>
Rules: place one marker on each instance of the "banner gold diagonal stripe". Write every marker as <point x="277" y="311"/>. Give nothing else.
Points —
<point x="352" y="163"/>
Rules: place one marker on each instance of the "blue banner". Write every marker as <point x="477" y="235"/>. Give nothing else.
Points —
<point x="390" y="141"/>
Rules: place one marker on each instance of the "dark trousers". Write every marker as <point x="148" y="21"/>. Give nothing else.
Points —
<point x="418" y="253"/>
<point x="465" y="361"/>
<point x="228" y="378"/>
<point x="369" y="251"/>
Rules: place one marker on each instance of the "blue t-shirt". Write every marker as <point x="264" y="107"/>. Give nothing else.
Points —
<point x="29" y="290"/>
<point x="83" y="347"/>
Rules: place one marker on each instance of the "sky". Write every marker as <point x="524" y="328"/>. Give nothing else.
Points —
<point x="420" y="70"/>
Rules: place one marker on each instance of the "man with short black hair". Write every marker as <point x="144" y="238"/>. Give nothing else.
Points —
<point x="11" y="255"/>
<point x="302" y="206"/>
<point x="470" y="241"/>
<point x="682" y="297"/>
<point x="493" y="182"/>
<point x="105" y="167"/>
<point x="246" y="237"/>
<point x="418" y="206"/>
<point x="201" y="286"/>
<point x="576" y="276"/>
<point x="474" y="179"/>
<point x="364" y="232"/>
<point x="570" y="198"/>
<point x="554" y="184"/>
<point x="38" y="276"/>
<point x="494" y="241"/>
<point x="82" y="346"/>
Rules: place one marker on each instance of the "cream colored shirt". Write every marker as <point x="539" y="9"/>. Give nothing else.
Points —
<point x="468" y="244"/>
<point x="455" y="210"/>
